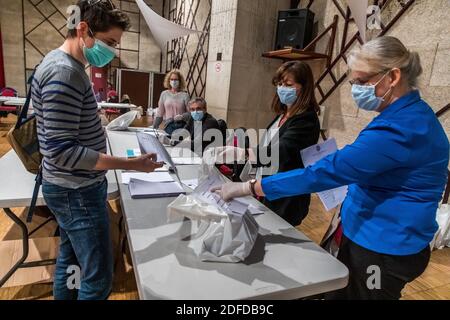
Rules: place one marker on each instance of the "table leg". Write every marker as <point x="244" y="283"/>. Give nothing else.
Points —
<point x="25" y="249"/>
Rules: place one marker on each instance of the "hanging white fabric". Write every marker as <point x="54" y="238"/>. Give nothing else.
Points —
<point x="359" y="13"/>
<point x="162" y="29"/>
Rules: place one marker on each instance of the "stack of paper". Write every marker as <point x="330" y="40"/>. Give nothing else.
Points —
<point x="144" y="189"/>
<point x="149" y="177"/>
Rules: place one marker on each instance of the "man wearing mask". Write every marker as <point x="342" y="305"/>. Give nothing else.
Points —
<point x="73" y="144"/>
<point x="199" y="122"/>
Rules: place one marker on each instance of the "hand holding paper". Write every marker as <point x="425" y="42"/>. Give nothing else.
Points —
<point x="146" y="163"/>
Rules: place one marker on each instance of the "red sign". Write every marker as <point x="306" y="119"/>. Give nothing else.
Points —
<point x="218" y="67"/>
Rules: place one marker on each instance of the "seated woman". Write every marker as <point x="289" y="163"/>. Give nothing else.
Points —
<point x="173" y="102"/>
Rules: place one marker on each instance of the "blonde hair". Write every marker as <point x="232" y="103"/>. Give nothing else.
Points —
<point x="383" y="54"/>
<point x="180" y="76"/>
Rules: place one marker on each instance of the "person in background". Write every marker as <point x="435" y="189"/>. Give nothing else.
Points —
<point x="73" y="144"/>
<point x="112" y="96"/>
<point x="173" y="102"/>
<point x="396" y="171"/>
<point x="125" y="100"/>
<point x="198" y="122"/>
<point x="297" y="125"/>
<point x="100" y="95"/>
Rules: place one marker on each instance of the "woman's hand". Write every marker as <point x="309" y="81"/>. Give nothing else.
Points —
<point x="225" y="155"/>
<point x="146" y="163"/>
<point x="232" y="190"/>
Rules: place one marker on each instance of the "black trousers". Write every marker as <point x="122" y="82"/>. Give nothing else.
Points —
<point x="375" y="276"/>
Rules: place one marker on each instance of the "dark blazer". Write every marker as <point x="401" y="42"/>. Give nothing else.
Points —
<point x="297" y="133"/>
<point x="208" y="122"/>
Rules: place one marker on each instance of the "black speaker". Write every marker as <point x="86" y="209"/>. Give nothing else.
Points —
<point x="295" y="28"/>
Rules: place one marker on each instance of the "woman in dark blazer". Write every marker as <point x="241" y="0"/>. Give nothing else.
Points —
<point x="298" y="127"/>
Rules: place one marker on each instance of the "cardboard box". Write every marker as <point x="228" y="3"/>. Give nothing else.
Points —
<point x="39" y="249"/>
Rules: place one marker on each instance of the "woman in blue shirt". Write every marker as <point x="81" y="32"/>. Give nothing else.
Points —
<point x="396" y="171"/>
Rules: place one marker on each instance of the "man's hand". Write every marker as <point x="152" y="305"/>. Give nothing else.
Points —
<point x="232" y="190"/>
<point x="146" y="163"/>
<point x="178" y="117"/>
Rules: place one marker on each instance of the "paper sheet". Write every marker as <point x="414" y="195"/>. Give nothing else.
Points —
<point x="191" y="183"/>
<point x="330" y="198"/>
<point x="149" y="177"/>
<point x="133" y="153"/>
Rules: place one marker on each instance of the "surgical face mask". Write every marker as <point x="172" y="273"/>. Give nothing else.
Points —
<point x="366" y="98"/>
<point x="175" y="84"/>
<point x="100" y="54"/>
<point x="197" y="115"/>
<point x="287" y="95"/>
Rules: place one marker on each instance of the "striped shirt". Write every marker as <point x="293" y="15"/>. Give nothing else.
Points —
<point x="69" y="129"/>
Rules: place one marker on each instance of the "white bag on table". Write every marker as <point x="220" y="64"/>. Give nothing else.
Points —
<point x="124" y="121"/>
<point x="226" y="237"/>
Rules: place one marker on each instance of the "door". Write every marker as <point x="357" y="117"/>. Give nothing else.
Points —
<point x="136" y="85"/>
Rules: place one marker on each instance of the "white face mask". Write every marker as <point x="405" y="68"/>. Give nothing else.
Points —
<point x="175" y="84"/>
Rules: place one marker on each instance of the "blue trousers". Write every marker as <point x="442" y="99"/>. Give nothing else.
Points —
<point x="84" y="267"/>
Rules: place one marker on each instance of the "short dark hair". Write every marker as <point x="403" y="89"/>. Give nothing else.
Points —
<point x="101" y="16"/>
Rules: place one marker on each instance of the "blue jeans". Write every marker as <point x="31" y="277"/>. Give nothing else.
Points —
<point x="84" y="268"/>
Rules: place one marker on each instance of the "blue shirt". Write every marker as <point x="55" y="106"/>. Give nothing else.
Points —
<point x="396" y="171"/>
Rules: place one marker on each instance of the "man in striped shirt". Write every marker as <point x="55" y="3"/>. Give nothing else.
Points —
<point x="73" y="144"/>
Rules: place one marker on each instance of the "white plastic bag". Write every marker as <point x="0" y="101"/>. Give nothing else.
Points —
<point x="124" y="121"/>
<point x="226" y="237"/>
<point x="442" y="237"/>
<point x="231" y="240"/>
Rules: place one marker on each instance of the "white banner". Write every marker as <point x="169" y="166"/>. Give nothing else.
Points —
<point x="162" y="29"/>
<point x="359" y="13"/>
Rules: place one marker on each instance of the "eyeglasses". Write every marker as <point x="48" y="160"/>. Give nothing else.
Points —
<point x="364" y="81"/>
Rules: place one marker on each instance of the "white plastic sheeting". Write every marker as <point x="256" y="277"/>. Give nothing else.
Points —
<point x="162" y="29"/>
<point x="359" y="13"/>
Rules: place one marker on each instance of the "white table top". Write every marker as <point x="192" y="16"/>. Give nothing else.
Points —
<point x="284" y="263"/>
<point x="3" y="99"/>
<point x="8" y="101"/>
<point x="12" y="99"/>
<point x="17" y="184"/>
<point x="15" y="103"/>
<point x="116" y="105"/>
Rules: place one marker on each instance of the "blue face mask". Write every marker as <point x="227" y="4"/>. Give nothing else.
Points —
<point x="366" y="98"/>
<point x="197" y="115"/>
<point x="100" y="54"/>
<point x="287" y="95"/>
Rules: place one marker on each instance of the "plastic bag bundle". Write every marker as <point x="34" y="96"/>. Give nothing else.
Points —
<point x="226" y="237"/>
<point x="124" y="121"/>
<point x="442" y="237"/>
